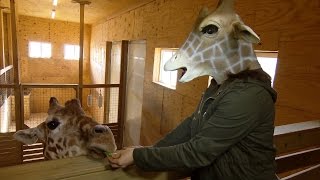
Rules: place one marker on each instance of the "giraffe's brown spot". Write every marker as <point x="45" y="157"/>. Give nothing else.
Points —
<point x="50" y="140"/>
<point x="74" y="153"/>
<point x="59" y="140"/>
<point x="72" y="142"/>
<point x="59" y="147"/>
<point x="67" y="154"/>
<point x="48" y="156"/>
<point x="52" y="149"/>
<point x="65" y="142"/>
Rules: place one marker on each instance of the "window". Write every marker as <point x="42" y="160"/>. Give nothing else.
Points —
<point x="268" y="62"/>
<point x="165" y="78"/>
<point x="39" y="49"/>
<point x="71" y="52"/>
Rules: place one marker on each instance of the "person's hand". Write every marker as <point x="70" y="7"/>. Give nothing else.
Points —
<point x="122" y="158"/>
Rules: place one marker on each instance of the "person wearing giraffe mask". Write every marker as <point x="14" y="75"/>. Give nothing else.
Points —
<point x="230" y="135"/>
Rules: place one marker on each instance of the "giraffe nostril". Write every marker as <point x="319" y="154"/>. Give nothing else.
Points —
<point x="100" y="129"/>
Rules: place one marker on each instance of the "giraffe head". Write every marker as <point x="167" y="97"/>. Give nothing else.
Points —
<point x="220" y="43"/>
<point x="68" y="132"/>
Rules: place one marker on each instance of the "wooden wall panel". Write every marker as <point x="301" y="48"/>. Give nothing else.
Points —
<point x="58" y="33"/>
<point x="291" y="26"/>
<point x="172" y="111"/>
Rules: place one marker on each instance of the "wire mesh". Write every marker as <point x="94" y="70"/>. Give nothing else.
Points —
<point x="7" y="121"/>
<point x="7" y="112"/>
<point x="101" y="104"/>
<point x="36" y="102"/>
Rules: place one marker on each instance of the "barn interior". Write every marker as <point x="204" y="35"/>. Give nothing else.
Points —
<point x="110" y="55"/>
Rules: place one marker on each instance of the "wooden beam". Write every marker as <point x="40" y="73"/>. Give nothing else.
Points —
<point x="2" y="56"/>
<point x="122" y="89"/>
<point x="293" y="137"/>
<point x="298" y="160"/>
<point x="107" y="76"/>
<point x="81" y="51"/>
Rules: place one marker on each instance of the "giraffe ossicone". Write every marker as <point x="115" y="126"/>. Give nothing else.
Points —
<point x="220" y="43"/>
<point x="68" y="132"/>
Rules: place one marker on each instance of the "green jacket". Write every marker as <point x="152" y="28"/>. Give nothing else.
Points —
<point x="228" y="137"/>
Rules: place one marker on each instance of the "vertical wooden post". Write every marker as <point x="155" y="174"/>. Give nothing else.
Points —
<point x="17" y="90"/>
<point x="16" y="67"/>
<point x="81" y="51"/>
<point x="107" y="81"/>
<point x="82" y="4"/>
<point x="2" y="56"/>
<point x="122" y="89"/>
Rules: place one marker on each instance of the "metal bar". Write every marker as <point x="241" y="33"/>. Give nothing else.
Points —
<point x="7" y="86"/>
<point x="122" y="89"/>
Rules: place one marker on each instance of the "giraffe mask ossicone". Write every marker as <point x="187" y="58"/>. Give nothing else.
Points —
<point x="68" y="132"/>
<point x="220" y="43"/>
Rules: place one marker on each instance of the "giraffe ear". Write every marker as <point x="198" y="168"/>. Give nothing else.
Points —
<point x="74" y="106"/>
<point x="53" y="105"/>
<point x="26" y="136"/>
<point x="245" y="33"/>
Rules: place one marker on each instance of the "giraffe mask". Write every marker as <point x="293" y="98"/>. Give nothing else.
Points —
<point x="68" y="132"/>
<point x="220" y="43"/>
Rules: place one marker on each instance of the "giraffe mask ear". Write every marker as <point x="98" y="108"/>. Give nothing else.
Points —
<point x="27" y="136"/>
<point x="245" y="33"/>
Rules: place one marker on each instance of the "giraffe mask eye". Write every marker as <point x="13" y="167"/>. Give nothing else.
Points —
<point x="53" y="124"/>
<point x="210" y="29"/>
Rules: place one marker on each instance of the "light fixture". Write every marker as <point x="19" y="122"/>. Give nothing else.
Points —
<point x="53" y="14"/>
<point x="55" y="2"/>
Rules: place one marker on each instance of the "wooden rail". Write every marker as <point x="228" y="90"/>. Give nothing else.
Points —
<point x="298" y="150"/>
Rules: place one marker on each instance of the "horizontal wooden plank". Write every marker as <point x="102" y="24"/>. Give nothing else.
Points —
<point x="73" y="168"/>
<point x="298" y="160"/>
<point x="294" y="137"/>
<point x="33" y="146"/>
<point x="32" y="156"/>
<point x="312" y="173"/>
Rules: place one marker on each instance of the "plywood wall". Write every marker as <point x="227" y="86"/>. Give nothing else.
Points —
<point x="58" y="33"/>
<point x="291" y="26"/>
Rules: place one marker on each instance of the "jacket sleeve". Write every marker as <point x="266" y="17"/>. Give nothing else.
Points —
<point x="236" y="115"/>
<point x="178" y="135"/>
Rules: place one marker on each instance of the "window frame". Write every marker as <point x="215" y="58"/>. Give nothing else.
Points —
<point x="41" y="49"/>
<point x="158" y="68"/>
<point x="76" y="53"/>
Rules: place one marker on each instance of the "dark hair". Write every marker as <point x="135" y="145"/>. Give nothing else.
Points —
<point x="257" y="74"/>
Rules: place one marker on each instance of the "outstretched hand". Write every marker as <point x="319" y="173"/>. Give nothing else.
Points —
<point x="122" y="158"/>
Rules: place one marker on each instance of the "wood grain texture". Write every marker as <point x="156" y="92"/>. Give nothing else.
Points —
<point x="78" y="168"/>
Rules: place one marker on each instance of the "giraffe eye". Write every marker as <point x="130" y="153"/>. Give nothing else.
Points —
<point x="54" y="123"/>
<point x="210" y="29"/>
